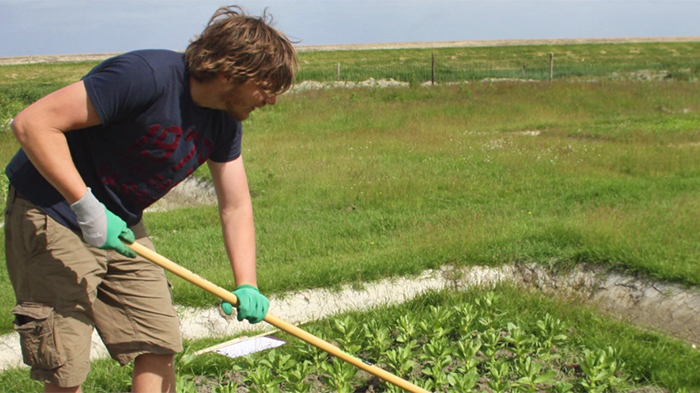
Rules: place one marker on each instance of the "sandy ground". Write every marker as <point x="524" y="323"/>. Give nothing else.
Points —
<point x="398" y="45"/>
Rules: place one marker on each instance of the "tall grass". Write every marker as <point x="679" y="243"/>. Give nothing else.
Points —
<point x="353" y="185"/>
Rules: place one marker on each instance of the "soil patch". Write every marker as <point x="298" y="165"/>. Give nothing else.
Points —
<point x="188" y="193"/>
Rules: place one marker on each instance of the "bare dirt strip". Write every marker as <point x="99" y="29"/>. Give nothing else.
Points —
<point x="655" y="306"/>
<point x="395" y="45"/>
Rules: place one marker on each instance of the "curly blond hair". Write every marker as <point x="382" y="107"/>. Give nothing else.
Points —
<point x="243" y="47"/>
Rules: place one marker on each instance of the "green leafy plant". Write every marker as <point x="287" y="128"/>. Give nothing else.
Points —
<point x="437" y="322"/>
<point x="261" y="379"/>
<point x="400" y="360"/>
<point x="563" y="387"/>
<point x="279" y="362"/>
<point x="437" y="356"/>
<point x="184" y="383"/>
<point x="407" y="329"/>
<point x="463" y="382"/>
<point x="438" y="351"/>
<point x="316" y="355"/>
<point x="339" y="375"/>
<point x="437" y="377"/>
<point x="521" y="342"/>
<point x="491" y="343"/>
<point x="600" y="367"/>
<point x="488" y="303"/>
<point x="348" y="333"/>
<point x="465" y="351"/>
<point x="550" y="332"/>
<point x="467" y="316"/>
<point x="296" y="378"/>
<point x="498" y="371"/>
<point x="530" y="376"/>
<point x="227" y="387"/>
<point x="377" y="339"/>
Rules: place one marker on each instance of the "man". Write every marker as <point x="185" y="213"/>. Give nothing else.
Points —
<point x="93" y="156"/>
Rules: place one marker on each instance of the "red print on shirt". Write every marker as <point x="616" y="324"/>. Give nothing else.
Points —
<point x="141" y="186"/>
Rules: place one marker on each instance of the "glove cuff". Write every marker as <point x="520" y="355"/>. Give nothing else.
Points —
<point x="248" y="286"/>
<point x="88" y="207"/>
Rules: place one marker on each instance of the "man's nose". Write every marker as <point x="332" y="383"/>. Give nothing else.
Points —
<point x="271" y="100"/>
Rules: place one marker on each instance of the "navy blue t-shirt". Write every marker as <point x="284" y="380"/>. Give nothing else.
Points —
<point x="151" y="138"/>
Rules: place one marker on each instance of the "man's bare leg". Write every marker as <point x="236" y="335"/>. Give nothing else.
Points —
<point x="153" y="373"/>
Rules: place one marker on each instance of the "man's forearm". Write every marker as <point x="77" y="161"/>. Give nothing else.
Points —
<point x="239" y="240"/>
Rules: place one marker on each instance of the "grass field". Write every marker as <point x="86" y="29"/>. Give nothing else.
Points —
<point x="355" y="185"/>
<point x="678" y="61"/>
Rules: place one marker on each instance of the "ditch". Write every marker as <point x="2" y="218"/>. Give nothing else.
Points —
<point x="668" y="308"/>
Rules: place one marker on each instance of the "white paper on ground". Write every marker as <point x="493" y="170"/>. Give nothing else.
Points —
<point x="252" y="345"/>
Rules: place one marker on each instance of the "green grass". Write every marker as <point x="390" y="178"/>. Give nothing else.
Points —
<point x="678" y="61"/>
<point x="357" y="185"/>
<point x="20" y="85"/>
<point x="401" y="180"/>
<point x="404" y="180"/>
<point x="647" y="359"/>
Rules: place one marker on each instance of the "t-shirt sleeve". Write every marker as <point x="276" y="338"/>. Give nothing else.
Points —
<point x="230" y="149"/>
<point x="121" y="88"/>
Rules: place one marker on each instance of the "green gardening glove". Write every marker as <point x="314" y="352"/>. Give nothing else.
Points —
<point x="252" y="305"/>
<point x="101" y="228"/>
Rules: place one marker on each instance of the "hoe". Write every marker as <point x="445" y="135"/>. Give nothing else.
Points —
<point x="273" y="320"/>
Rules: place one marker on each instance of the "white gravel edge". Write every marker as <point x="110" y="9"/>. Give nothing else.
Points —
<point x="659" y="306"/>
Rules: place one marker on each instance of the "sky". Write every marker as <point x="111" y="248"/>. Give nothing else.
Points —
<point x="45" y="27"/>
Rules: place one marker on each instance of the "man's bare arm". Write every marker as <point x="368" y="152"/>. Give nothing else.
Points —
<point x="40" y="129"/>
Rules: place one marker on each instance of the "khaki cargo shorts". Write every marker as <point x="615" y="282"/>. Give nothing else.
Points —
<point x="65" y="288"/>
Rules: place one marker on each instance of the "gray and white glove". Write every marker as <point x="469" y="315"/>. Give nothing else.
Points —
<point x="101" y="228"/>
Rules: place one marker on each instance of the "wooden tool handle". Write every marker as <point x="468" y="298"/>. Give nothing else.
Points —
<point x="273" y="320"/>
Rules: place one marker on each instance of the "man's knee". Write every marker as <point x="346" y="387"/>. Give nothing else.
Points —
<point x="154" y="361"/>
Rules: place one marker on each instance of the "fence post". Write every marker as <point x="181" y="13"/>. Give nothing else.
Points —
<point x="551" y="66"/>
<point x="338" y="77"/>
<point x="432" y="72"/>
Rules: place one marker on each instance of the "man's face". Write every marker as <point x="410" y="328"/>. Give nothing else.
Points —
<point x="241" y="99"/>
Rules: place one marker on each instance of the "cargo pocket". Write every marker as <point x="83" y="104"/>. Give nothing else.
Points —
<point x="35" y="325"/>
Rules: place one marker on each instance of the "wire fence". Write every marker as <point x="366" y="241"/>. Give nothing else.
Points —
<point x="445" y="69"/>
